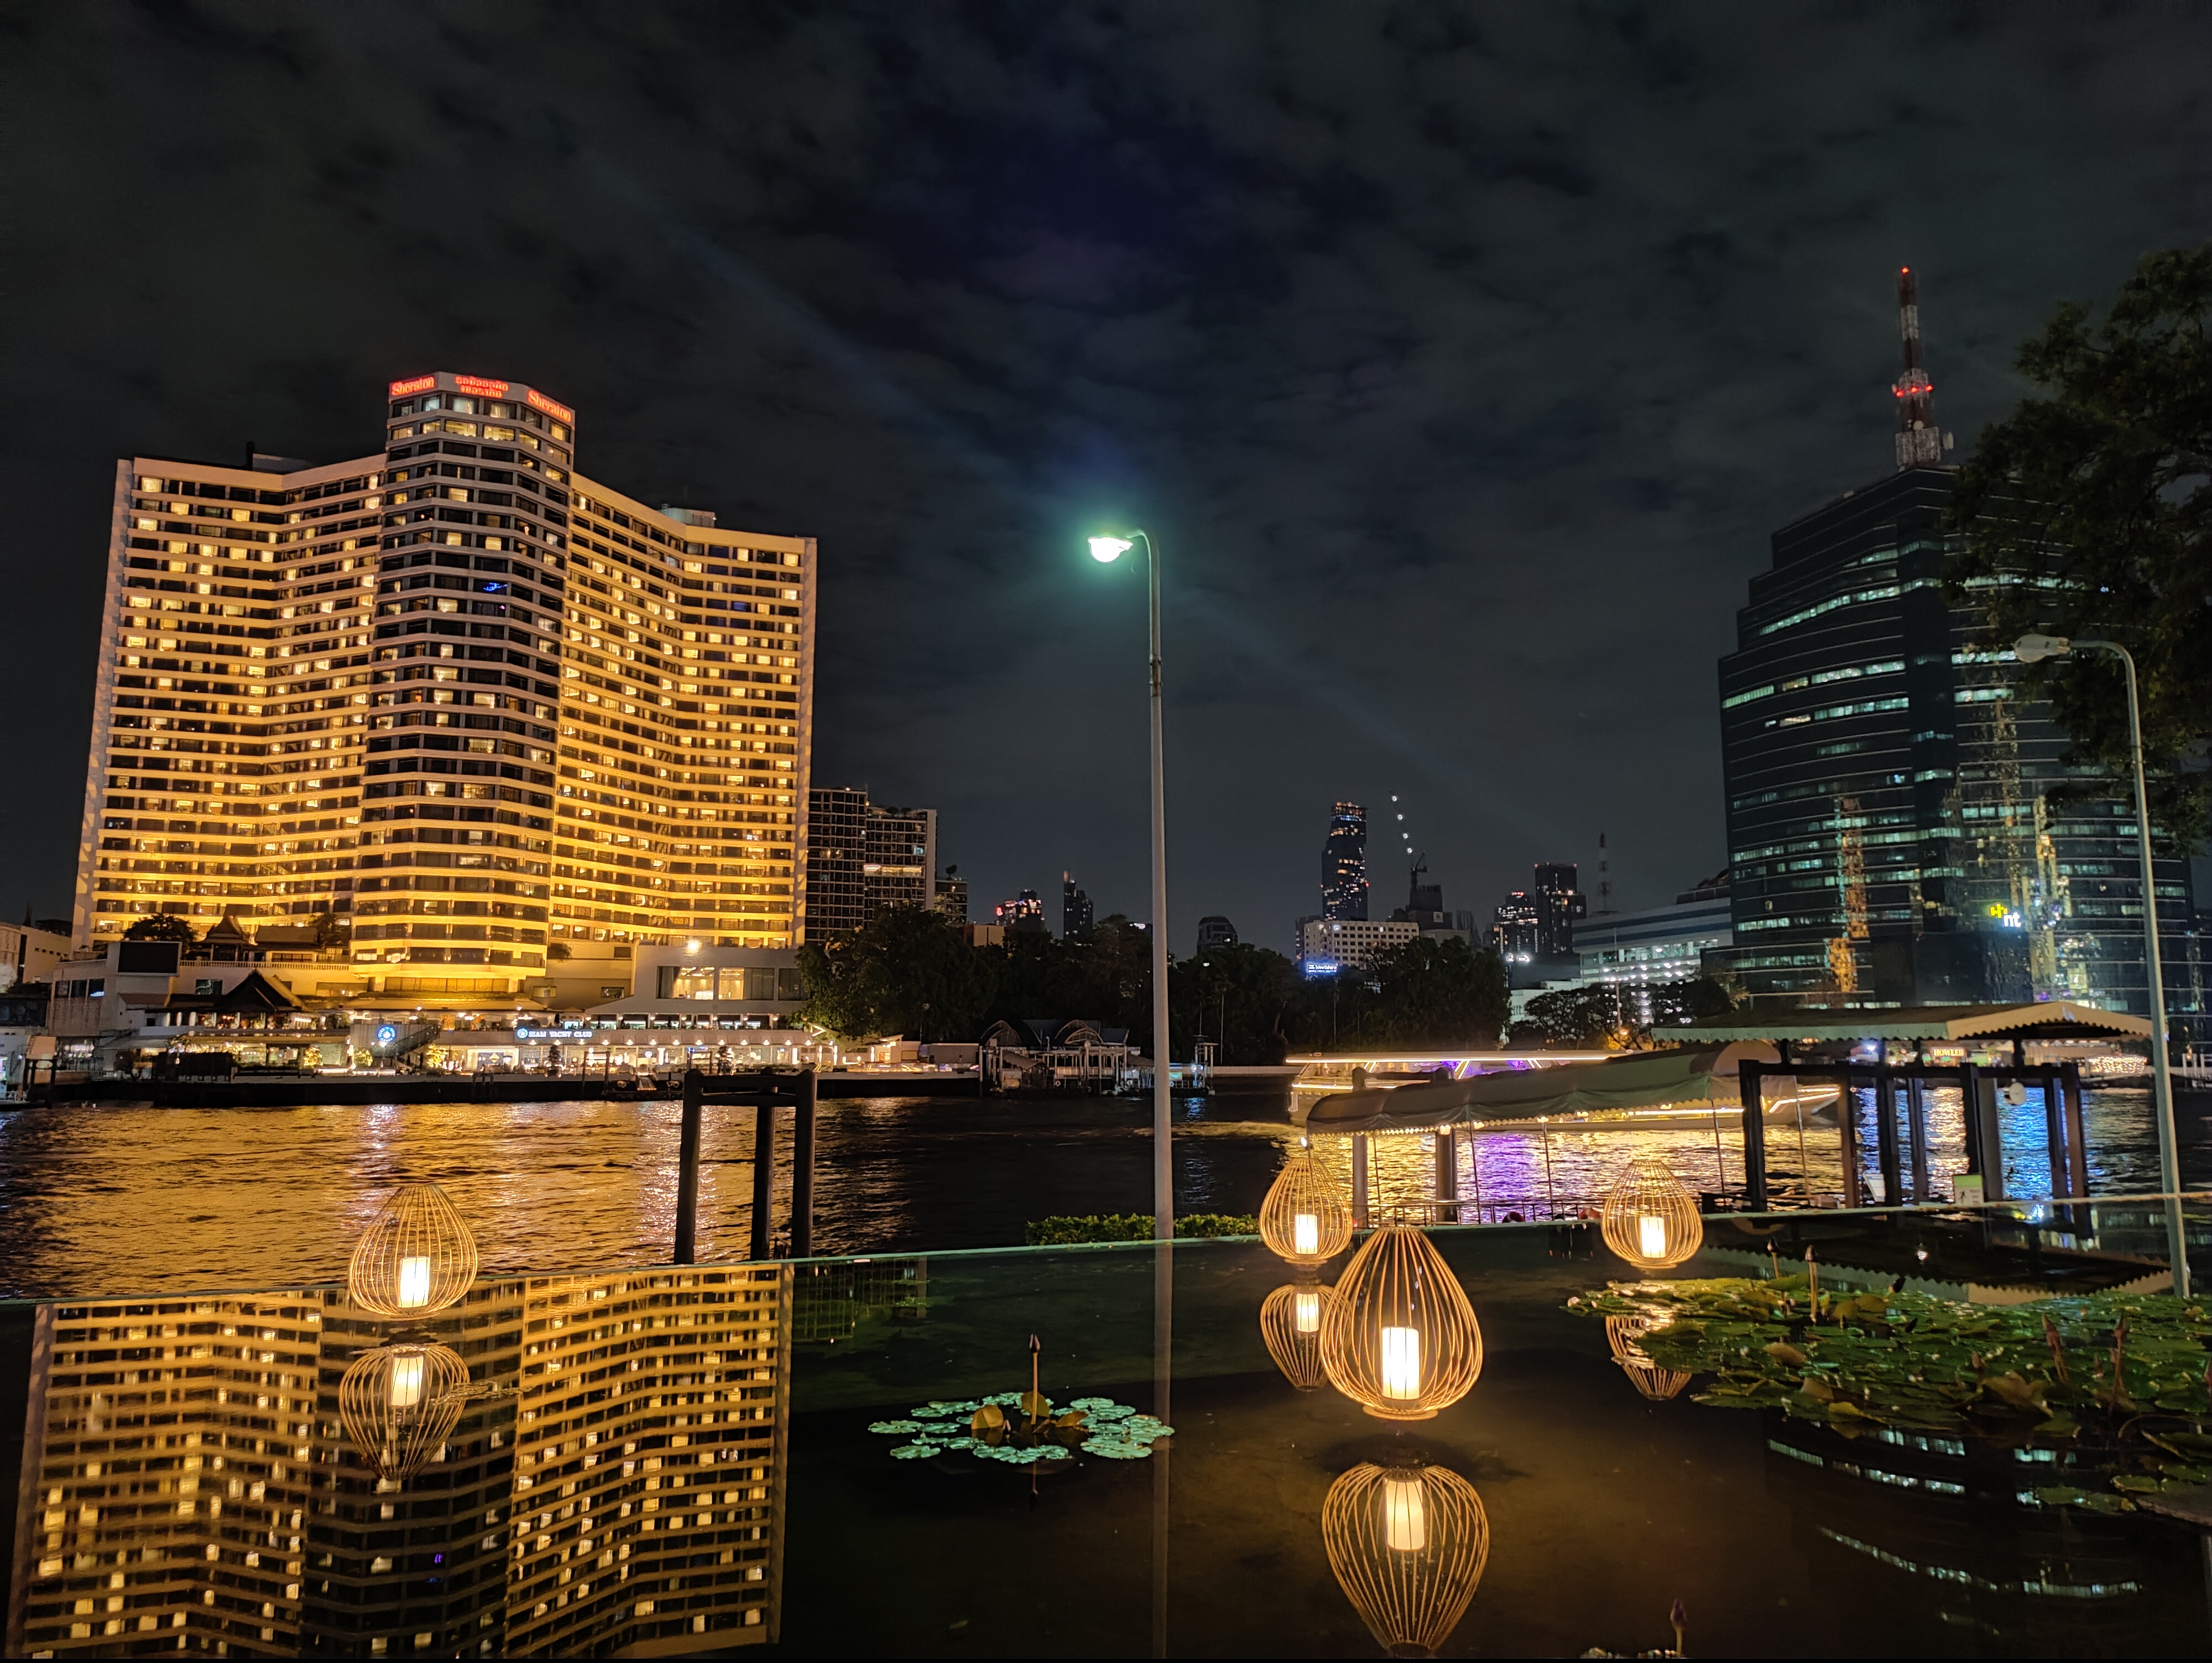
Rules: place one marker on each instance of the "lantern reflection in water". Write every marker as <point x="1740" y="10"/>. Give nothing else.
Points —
<point x="1305" y="1217"/>
<point x="417" y="1255"/>
<point x="1649" y="1219"/>
<point x="1622" y="1334"/>
<point x="1408" y="1545"/>
<point x="1402" y="1342"/>
<point x="400" y="1404"/>
<point x="1291" y="1320"/>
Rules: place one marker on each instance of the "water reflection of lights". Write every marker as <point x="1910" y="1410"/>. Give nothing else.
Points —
<point x="1291" y="1322"/>
<point x="1408" y="1545"/>
<point x="1624" y="1335"/>
<point x="400" y="1404"/>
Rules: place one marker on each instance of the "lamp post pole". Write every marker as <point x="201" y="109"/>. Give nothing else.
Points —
<point x="1107" y="548"/>
<point x="2028" y="651"/>
<point x="1162" y="1169"/>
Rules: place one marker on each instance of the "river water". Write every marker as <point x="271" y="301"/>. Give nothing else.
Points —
<point x="112" y="1200"/>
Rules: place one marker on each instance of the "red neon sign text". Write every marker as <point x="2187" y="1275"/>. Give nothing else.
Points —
<point x="420" y="383"/>
<point x="541" y="401"/>
<point x="478" y="384"/>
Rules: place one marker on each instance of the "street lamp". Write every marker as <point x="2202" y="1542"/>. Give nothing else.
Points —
<point x="1106" y="550"/>
<point x="2034" y="649"/>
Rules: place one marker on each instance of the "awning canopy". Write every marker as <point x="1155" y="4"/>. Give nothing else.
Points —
<point x="2049" y="1019"/>
<point x="1688" y="1077"/>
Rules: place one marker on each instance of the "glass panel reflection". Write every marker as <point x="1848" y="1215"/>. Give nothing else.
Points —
<point x="555" y="1464"/>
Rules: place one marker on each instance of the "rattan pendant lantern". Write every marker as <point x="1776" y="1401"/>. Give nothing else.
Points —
<point x="1402" y="1342"/>
<point x="1650" y="1220"/>
<point x="416" y="1256"/>
<point x="1624" y="1335"/>
<point x="1408" y="1545"/>
<point x="1305" y="1217"/>
<point x="1291" y="1322"/>
<point x="400" y="1404"/>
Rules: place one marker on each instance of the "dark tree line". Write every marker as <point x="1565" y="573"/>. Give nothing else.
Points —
<point x="2087" y="511"/>
<point x="909" y="972"/>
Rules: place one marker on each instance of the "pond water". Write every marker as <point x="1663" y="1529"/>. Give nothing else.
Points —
<point x="174" y="1198"/>
<point x="683" y="1458"/>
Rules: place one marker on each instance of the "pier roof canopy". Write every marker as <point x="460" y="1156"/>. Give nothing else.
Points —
<point x="2048" y="1019"/>
<point x="1679" y="1076"/>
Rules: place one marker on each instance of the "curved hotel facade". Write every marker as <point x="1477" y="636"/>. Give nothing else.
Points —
<point x="452" y="706"/>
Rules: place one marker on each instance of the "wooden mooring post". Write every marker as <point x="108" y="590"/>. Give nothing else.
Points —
<point x="766" y="1090"/>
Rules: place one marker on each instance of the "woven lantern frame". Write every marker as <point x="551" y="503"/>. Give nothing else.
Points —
<point x="1651" y="1219"/>
<point x="400" y="1403"/>
<point x="1402" y="1342"/>
<point x="1292" y="1322"/>
<point x="1302" y="1189"/>
<point x="1625" y="1334"/>
<point x="417" y="1255"/>
<point x="1408" y="1545"/>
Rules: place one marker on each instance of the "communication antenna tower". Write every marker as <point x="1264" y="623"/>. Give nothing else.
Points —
<point x="1919" y="443"/>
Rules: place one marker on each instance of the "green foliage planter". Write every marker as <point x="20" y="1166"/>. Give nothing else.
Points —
<point x="2126" y="1373"/>
<point x="1068" y="1229"/>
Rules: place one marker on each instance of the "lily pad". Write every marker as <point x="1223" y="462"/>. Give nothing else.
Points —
<point x="894" y="1426"/>
<point x="1116" y="1449"/>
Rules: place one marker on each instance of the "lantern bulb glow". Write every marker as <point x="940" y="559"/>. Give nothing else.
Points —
<point x="406" y="1380"/>
<point x="1306" y="1307"/>
<point x="1305" y="1233"/>
<point x="414" y="1283"/>
<point x="1405" y="1519"/>
<point x="1401" y="1370"/>
<point x="1652" y="1236"/>
<point x="1106" y="549"/>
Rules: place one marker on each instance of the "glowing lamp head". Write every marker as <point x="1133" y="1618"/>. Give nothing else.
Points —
<point x="1405" y="1519"/>
<point x="407" y="1379"/>
<point x="1108" y="549"/>
<point x="1400" y="1372"/>
<point x="691" y="946"/>
<point x="1305" y="1233"/>
<point x="414" y="1283"/>
<point x="1306" y="1310"/>
<point x="1652" y="1236"/>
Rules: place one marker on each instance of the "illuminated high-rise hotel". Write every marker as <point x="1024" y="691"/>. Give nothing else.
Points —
<point x="452" y="702"/>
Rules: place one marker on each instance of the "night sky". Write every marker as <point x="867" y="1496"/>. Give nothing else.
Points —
<point x="1462" y="358"/>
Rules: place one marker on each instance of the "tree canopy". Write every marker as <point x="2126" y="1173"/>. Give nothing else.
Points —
<point x="2087" y="511"/>
<point x="161" y="926"/>
<point x="911" y="973"/>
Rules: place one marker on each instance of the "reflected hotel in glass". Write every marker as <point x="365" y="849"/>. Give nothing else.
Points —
<point x="613" y="1483"/>
<point x="452" y="702"/>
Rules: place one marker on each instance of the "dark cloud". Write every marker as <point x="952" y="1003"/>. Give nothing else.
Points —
<point x="1463" y="358"/>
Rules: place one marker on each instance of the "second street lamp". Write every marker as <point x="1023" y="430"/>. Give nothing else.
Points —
<point x="1107" y="549"/>
<point x="2032" y="649"/>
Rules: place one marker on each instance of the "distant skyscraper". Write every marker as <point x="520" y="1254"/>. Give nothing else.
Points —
<point x="1514" y="927"/>
<point x="1560" y="904"/>
<point x="1344" y="864"/>
<point x="1075" y="909"/>
<point x="1024" y="912"/>
<point x="862" y="856"/>
<point x="1215" y="930"/>
<point x="952" y="896"/>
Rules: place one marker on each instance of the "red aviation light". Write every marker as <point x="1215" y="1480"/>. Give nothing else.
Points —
<point x="539" y="401"/>
<point x="420" y="383"/>
<point x="479" y="384"/>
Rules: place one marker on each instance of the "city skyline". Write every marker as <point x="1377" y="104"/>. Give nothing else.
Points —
<point x="1692" y="368"/>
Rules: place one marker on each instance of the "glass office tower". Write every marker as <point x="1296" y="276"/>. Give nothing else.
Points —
<point x="1896" y="828"/>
